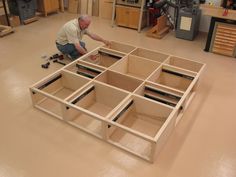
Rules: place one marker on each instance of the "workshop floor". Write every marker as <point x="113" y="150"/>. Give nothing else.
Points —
<point x="34" y="144"/>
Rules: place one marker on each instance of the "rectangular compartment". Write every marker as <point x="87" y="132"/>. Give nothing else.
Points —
<point x="135" y="66"/>
<point x="96" y="101"/>
<point x="184" y="63"/>
<point x="104" y="58"/>
<point x="149" y="54"/>
<point x="136" y="124"/>
<point x="123" y="48"/>
<point x="48" y="104"/>
<point x="50" y="92"/>
<point x="172" y="77"/>
<point x="83" y="119"/>
<point x="119" y="80"/>
<point x="159" y="93"/>
<point x="85" y="69"/>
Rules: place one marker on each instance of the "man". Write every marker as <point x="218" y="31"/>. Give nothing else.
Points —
<point x="70" y="35"/>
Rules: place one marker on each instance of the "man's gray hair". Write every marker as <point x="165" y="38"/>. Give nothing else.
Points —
<point x="84" y="18"/>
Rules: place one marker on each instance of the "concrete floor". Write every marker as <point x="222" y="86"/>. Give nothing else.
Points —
<point x="34" y="144"/>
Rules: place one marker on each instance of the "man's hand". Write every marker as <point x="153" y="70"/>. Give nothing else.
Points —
<point x="107" y="43"/>
<point x="93" y="57"/>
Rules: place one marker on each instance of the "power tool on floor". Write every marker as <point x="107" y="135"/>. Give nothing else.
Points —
<point x="55" y="58"/>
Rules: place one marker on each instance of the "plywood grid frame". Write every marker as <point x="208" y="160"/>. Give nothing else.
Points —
<point x="131" y="97"/>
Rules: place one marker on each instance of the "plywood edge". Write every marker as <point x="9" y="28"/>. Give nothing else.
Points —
<point x="180" y="70"/>
<point x="92" y="64"/>
<point x="75" y="75"/>
<point x="187" y="92"/>
<point x="47" y="95"/>
<point x="128" y="76"/>
<point x="161" y="88"/>
<point x="146" y="158"/>
<point x="155" y="73"/>
<point x="84" y="129"/>
<point x="48" y="112"/>
<point x="119" y="107"/>
<point x="131" y="131"/>
<point x="155" y="51"/>
<point x="111" y="86"/>
<point x="130" y="151"/>
<point x="152" y="101"/>
<point x="96" y="116"/>
<point x="194" y="61"/>
<point x="45" y="79"/>
<point x="139" y="87"/>
<point x="202" y="69"/>
<point x="122" y="43"/>
<point x="116" y="65"/>
<point x="180" y="115"/>
<point x="164" y="86"/>
<point x="84" y="87"/>
<point x="145" y="59"/>
<point x="112" y="51"/>
<point x="166" y="123"/>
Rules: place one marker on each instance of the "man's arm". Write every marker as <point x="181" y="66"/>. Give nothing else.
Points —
<point x="97" y="38"/>
<point x="80" y="49"/>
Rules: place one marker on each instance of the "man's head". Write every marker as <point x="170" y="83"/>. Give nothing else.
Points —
<point x="84" y="21"/>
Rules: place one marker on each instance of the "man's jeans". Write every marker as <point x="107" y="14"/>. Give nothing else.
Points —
<point x="69" y="49"/>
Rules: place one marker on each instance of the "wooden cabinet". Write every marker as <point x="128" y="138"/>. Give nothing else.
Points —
<point x="128" y="16"/>
<point x="105" y="9"/>
<point x="134" y="14"/>
<point x="48" y="6"/>
<point x="122" y="16"/>
<point x="225" y="39"/>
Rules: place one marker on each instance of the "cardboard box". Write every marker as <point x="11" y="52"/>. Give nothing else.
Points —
<point x="14" y="20"/>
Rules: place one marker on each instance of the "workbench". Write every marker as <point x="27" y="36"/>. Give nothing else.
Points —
<point x="227" y="32"/>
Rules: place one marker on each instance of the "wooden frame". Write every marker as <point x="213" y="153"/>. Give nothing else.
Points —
<point x="133" y="103"/>
<point x="5" y="30"/>
<point x="160" y="29"/>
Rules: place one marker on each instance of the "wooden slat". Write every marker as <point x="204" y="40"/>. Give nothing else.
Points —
<point x="223" y="47"/>
<point x="30" y="20"/>
<point x="227" y="28"/>
<point x="4" y="30"/>
<point x="224" y="41"/>
<point x="224" y="44"/>
<point x="223" y="52"/>
<point x="226" y="32"/>
<point x="226" y="35"/>
<point x="225" y="38"/>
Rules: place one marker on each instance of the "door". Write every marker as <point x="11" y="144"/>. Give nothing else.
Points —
<point x="122" y="16"/>
<point x="134" y="14"/>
